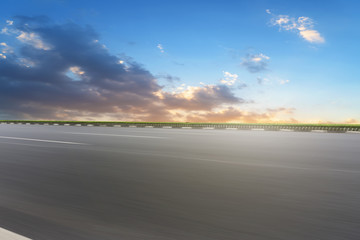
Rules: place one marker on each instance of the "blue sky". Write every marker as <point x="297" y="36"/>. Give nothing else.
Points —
<point x="282" y="61"/>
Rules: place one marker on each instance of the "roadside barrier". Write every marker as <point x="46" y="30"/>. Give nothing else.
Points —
<point x="331" y="128"/>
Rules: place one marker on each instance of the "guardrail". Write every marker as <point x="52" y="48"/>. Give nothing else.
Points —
<point x="336" y="128"/>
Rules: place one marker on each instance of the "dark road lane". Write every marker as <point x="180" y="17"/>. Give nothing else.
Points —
<point x="59" y="182"/>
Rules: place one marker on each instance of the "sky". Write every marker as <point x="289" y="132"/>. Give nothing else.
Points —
<point x="190" y="61"/>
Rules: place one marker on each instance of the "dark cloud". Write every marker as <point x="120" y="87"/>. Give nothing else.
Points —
<point x="255" y="63"/>
<point x="201" y="98"/>
<point x="104" y="85"/>
<point x="62" y="71"/>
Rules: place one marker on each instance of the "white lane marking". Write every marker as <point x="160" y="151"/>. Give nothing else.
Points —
<point x="114" y="135"/>
<point x="42" y="140"/>
<point x="167" y="127"/>
<point x="20" y="144"/>
<point x="258" y="129"/>
<point x="7" y="235"/>
<point x="186" y="127"/>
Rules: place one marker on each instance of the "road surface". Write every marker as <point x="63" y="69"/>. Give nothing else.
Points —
<point x="91" y="183"/>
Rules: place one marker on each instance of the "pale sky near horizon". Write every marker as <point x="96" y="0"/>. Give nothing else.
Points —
<point x="203" y="61"/>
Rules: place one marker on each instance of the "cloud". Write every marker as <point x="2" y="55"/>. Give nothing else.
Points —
<point x="62" y="71"/>
<point x="269" y="80"/>
<point x="76" y="70"/>
<point x="33" y="39"/>
<point x="255" y="63"/>
<point x="45" y="89"/>
<point x="352" y="121"/>
<point x="304" y="26"/>
<point x="231" y="114"/>
<point x="312" y="36"/>
<point x="282" y="82"/>
<point x="205" y="97"/>
<point x="37" y="83"/>
<point x="229" y="78"/>
<point x="262" y="80"/>
<point x="4" y="47"/>
<point x="159" y="46"/>
<point x="24" y="33"/>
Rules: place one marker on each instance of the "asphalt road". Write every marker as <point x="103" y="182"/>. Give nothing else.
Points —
<point x="105" y="183"/>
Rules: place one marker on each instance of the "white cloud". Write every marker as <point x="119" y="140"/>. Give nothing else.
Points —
<point x="268" y="11"/>
<point x="33" y="39"/>
<point x="5" y="48"/>
<point x="312" y="36"/>
<point x="26" y="62"/>
<point x="5" y="30"/>
<point x="229" y="78"/>
<point x="159" y="46"/>
<point x="76" y="70"/>
<point x="259" y="57"/>
<point x="125" y="65"/>
<point x="282" y="82"/>
<point x="2" y="56"/>
<point x="25" y="37"/>
<point x="303" y="25"/>
<point x="282" y="20"/>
